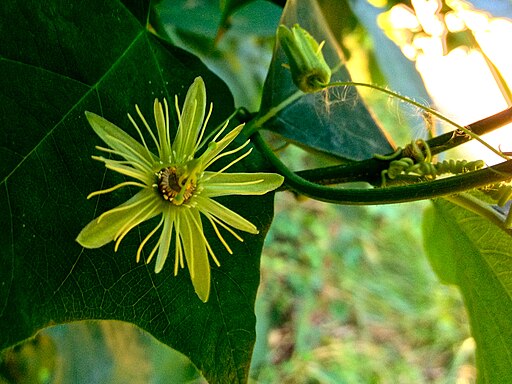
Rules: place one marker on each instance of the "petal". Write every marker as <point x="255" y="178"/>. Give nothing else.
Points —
<point x="119" y="140"/>
<point x="98" y="233"/>
<point x="225" y="214"/>
<point x="146" y="177"/>
<point x="165" y="238"/>
<point x="240" y="183"/>
<point x="191" y="120"/>
<point x="162" y="126"/>
<point x="215" y="148"/>
<point x="191" y="230"/>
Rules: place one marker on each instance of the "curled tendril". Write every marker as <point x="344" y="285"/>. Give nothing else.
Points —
<point x="417" y="160"/>
<point x="457" y="167"/>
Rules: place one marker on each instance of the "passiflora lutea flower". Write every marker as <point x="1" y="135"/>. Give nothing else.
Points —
<point x="176" y="185"/>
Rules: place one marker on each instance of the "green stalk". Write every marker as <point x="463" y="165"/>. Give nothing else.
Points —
<point x="391" y="195"/>
<point x="452" y="139"/>
<point x="370" y="169"/>
<point x="256" y="124"/>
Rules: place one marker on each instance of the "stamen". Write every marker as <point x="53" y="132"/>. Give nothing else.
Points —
<point x="123" y="231"/>
<point x="174" y="227"/>
<point x="128" y="166"/>
<point x="127" y="171"/>
<point x="153" y="251"/>
<point x="194" y="109"/>
<point x="135" y="155"/>
<point x="190" y="248"/>
<point x="210" y="250"/>
<point x="234" y="161"/>
<point x="220" y="132"/>
<point x="108" y="190"/>
<point x="223" y="154"/>
<point x="203" y="129"/>
<point x="320" y="46"/>
<point x="106" y="149"/>
<point x="186" y="138"/>
<point x="178" y="255"/>
<point x="162" y="131"/>
<point x="123" y="208"/>
<point x="223" y="225"/>
<point x="221" y="238"/>
<point x="150" y="155"/>
<point x="179" y="199"/>
<point x="240" y="184"/>
<point x="150" y="234"/>
<point x="167" y="129"/>
<point x="137" y="127"/>
<point x="179" y="252"/>
<point x="174" y="188"/>
<point x="147" y="127"/>
<point x="177" y="107"/>
<point x="105" y="160"/>
<point x="176" y="259"/>
<point x="182" y="179"/>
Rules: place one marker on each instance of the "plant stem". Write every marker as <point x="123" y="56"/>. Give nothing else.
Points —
<point x="256" y="124"/>
<point x="391" y="195"/>
<point x="452" y="139"/>
<point x="369" y="170"/>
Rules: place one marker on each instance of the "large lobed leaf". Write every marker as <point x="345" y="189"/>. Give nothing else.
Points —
<point x="59" y="59"/>
<point x="472" y="253"/>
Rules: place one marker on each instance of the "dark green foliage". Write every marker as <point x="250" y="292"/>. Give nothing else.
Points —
<point x="60" y="59"/>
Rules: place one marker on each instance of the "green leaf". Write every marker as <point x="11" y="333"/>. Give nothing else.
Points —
<point x="97" y="56"/>
<point x="335" y="121"/>
<point x="474" y="254"/>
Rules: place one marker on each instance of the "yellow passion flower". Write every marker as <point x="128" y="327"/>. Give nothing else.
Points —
<point x="176" y="185"/>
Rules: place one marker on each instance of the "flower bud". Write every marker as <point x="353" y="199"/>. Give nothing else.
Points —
<point x="310" y="72"/>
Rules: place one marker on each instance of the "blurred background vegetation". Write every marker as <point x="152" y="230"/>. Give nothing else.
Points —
<point x="346" y="295"/>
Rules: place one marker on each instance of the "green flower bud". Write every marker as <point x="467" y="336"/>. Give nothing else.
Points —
<point x="310" y="72"/>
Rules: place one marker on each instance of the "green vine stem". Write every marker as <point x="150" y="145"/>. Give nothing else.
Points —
<point x="311" y="182"/>
<point x="391" y="195"/>
<point x="256" y="124"/>
<point x="369" y="170"/>
<point x="452" y="139"/>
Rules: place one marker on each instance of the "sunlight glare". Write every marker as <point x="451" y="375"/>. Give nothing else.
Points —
<point x="460" y="82"/>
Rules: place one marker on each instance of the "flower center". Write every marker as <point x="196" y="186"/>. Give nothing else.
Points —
<point x="175" y="187"/>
